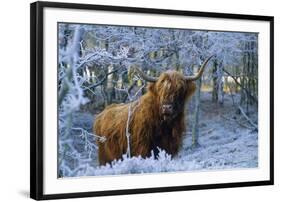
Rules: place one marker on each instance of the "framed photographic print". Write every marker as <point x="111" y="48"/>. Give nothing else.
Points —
<point x="136" y="100"/>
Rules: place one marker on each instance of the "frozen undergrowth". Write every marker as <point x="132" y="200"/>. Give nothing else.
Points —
<point x="164" y="163"/>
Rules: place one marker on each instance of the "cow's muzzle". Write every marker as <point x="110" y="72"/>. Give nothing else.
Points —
<point x="167" y="111"/>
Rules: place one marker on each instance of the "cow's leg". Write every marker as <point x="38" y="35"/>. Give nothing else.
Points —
<point x="108" y="152"/>
<point x="101" y="154"/>
<point x="142" y="151"/>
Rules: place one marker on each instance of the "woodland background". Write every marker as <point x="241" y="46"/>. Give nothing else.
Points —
<point x="94" y="71"/>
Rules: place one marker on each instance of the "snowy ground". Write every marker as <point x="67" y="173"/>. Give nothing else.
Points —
<point x="226" y="142"/>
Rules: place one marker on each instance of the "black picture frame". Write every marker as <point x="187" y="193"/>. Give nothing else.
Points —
<point x="37" y="99"/>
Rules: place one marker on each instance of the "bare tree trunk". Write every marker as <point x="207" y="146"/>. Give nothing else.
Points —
<point x="215" y="82"/>
<point x="195" y="127"/>
<point x="220" y="84"/>
<point x="110" y="91"/>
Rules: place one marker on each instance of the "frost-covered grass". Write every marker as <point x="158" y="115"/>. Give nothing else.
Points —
<point x="224" y="144"/>
<point x="163" y="163"/>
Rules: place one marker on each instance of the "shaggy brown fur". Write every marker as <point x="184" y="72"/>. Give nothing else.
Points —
<point x="149" y="127"/>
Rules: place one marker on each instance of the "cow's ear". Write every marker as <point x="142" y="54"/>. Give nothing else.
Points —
<point x="191" y="87"/>
<point x="151" y="87"/>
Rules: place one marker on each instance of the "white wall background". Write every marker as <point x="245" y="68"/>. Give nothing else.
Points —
<point x="14" y="100"/>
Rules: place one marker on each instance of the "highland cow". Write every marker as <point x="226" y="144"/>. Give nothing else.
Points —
<point x="156" y="120"/>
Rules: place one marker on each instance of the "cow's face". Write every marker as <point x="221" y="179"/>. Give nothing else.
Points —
<point x="172" y="90"/>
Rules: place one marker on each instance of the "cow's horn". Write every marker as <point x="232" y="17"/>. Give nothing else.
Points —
<point x="144" y="76"/>
<point x="200" y="72"/>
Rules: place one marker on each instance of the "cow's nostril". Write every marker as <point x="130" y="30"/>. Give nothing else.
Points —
<point x="167" y="107"/>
